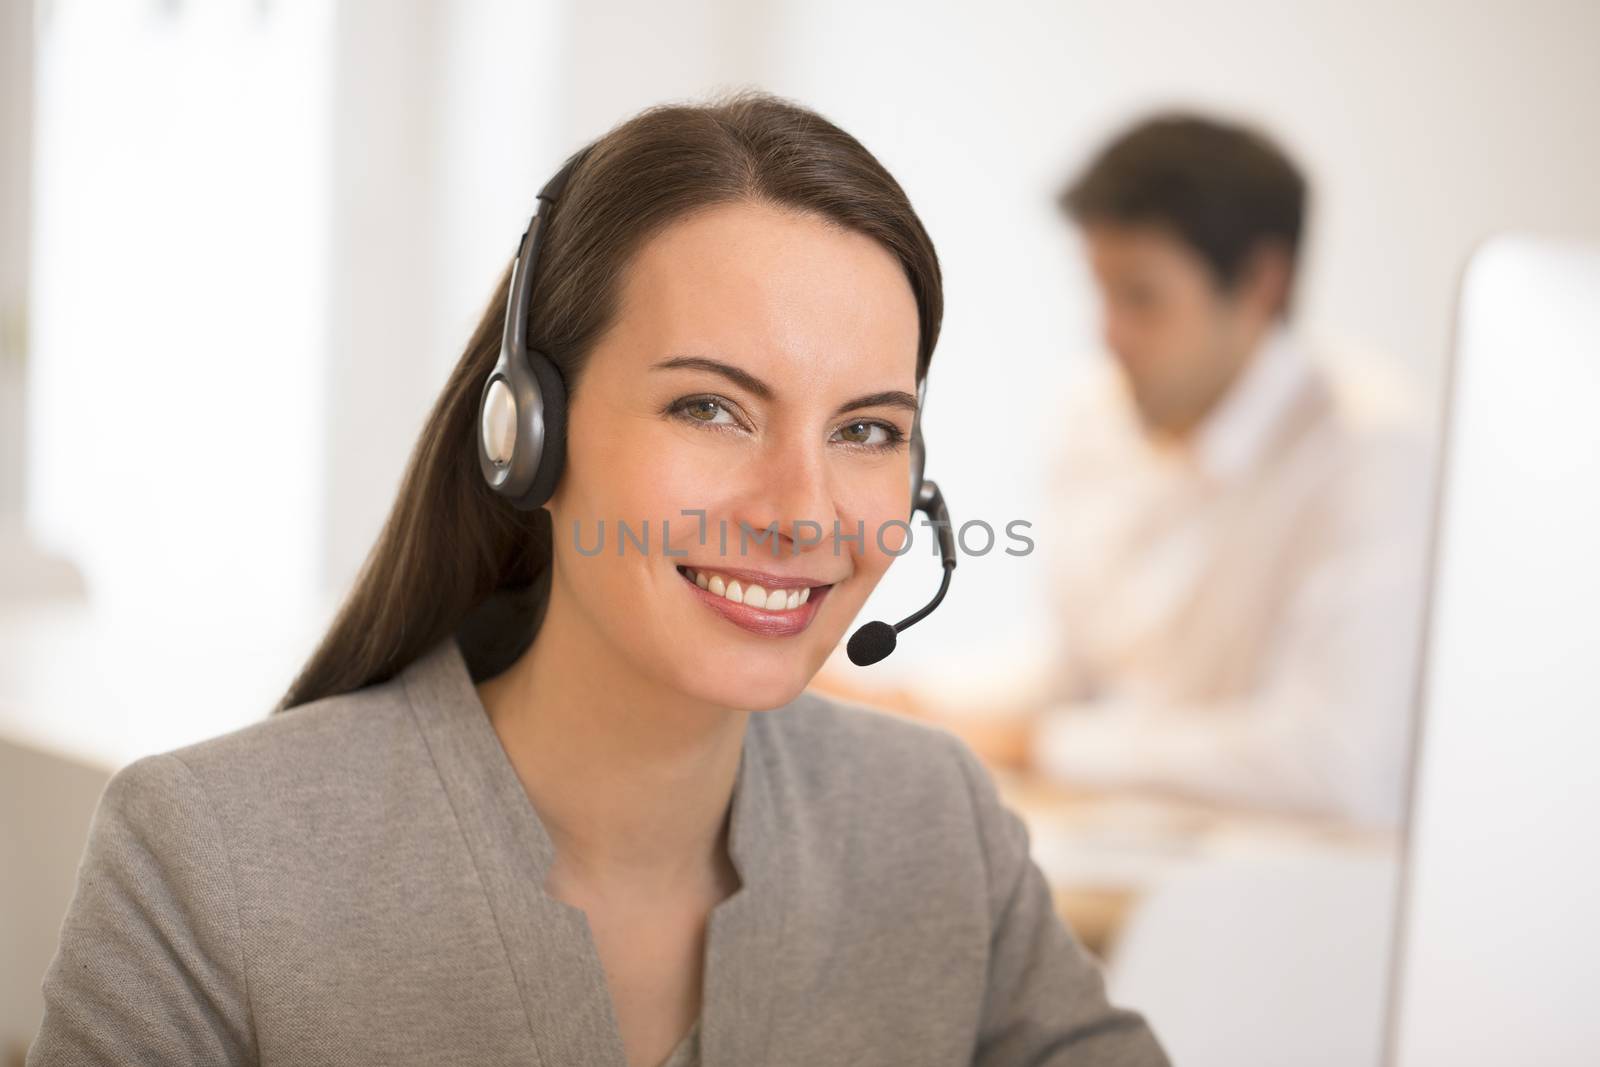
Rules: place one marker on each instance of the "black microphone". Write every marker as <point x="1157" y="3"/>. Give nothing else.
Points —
<point x="875" y="640"/>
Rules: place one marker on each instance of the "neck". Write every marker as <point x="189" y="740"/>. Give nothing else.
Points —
<point x="1176" y="425"/>
<point x="632" y="781"/>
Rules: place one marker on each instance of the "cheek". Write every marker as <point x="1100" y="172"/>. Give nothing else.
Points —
<point x="882" y="507"/>
<point x="1196" y="312"/>
<point x="622" y="467"/>
<point x="1170" y="334"/>
<point x="608" y="482"/>
<point x="1144" y="328"/>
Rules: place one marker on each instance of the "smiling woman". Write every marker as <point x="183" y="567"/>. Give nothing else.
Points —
<point x="526" y="792"/>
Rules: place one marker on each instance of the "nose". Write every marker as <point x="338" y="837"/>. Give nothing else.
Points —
<point x="788" y="488"/>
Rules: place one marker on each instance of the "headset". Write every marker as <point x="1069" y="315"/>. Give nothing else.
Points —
<point x="522" y="423"/>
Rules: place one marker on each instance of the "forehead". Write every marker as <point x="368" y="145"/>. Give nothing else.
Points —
<point x="1143" y="247"/>
<point x="778" y="291"/>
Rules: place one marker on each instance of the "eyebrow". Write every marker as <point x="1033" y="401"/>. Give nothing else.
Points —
<point x="894" y="398"/>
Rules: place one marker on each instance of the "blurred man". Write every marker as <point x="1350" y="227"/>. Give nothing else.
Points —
<point x="1240" y="526"/>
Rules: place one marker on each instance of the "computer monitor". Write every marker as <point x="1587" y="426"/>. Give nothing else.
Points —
<point x="1498" y="954"/>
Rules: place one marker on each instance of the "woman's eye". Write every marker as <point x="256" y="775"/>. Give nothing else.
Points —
<point x="870" y="434"/>
<point x="705" y="409"/>
<point x="861" y="433"/>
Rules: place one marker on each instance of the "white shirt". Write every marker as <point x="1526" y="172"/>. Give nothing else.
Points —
<point x="1240" y="616"/>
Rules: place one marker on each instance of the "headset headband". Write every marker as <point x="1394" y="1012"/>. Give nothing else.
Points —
<point x="524" y="270"/>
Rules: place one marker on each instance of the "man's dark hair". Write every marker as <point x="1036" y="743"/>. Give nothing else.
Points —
<point x="1220" y="187"/>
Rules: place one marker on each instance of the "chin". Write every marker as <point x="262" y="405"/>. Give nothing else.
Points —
<point x="759" y="683"/>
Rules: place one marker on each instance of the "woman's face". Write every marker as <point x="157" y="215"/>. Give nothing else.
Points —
<point x="761" y="372"/>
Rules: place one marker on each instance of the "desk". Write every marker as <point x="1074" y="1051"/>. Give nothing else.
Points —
<point x="1100" y="852"/>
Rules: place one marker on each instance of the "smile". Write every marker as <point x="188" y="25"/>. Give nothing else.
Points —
<point x="771" y="605"/>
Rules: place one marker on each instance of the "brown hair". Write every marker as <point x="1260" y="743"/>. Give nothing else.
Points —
<point x="1222" y="188"/>
<point x="453" y="557"/>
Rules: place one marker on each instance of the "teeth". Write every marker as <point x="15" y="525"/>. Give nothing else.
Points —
<point x="753" y="595"/>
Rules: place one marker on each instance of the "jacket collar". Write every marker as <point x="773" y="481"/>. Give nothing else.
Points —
<point x="548" y="942"/>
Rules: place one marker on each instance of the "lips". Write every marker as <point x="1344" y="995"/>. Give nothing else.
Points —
<point x="758" y="590"/>
<point x="781" y="607"/>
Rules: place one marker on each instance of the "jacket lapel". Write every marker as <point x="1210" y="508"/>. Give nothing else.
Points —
<point x="548" y="944"/>
<point x="745" y="932"/>
<point x="549" y="947"/>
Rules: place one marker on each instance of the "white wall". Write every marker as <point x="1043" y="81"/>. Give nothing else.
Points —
<point x="446" y="115"/>
<point x="264" y="232"/>
<point x="178" y="288"/>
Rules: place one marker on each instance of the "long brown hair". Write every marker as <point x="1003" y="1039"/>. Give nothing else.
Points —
<point x="452" y="556"/>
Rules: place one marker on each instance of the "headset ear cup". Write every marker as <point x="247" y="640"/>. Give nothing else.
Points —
<point x="553" y="454"/>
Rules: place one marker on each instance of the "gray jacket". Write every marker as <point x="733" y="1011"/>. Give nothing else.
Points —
<point x="359" y="880"/>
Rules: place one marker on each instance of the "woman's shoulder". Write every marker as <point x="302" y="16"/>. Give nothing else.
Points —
<point x="331" y="751"/>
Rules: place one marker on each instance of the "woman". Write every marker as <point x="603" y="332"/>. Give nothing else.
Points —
<point x="551" y="793"/>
